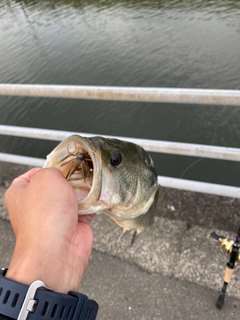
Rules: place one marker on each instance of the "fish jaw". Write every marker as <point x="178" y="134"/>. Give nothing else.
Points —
<point x="87" y="189"/>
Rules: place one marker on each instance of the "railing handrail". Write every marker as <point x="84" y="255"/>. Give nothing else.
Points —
<point x="179" y="148"/>
<point x="166" y="95"/>
<point x="167" y="182"/>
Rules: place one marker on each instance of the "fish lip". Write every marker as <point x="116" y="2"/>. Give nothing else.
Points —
<point x="57" y="158"/>
<point x="95" y="190"/>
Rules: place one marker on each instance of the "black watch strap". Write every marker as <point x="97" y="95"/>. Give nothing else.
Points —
<point x="33" y="303"/>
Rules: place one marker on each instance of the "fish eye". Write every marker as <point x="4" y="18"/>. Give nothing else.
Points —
<point x="116" y="158"/>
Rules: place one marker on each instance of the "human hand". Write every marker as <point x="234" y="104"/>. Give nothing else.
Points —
<point x="53" y="243"/>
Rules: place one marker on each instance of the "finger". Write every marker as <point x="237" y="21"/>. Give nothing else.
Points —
<point x="25" y="178"/>
<point x="86" y="218"/>
<point x="21" y="181"/>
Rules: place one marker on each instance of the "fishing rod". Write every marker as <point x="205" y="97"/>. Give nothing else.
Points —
<point x="232" y="248"/>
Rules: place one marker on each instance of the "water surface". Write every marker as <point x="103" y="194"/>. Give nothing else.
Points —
<point x="193" y="44"/>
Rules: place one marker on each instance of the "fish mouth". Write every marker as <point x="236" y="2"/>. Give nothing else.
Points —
<point x="80" y="162"/>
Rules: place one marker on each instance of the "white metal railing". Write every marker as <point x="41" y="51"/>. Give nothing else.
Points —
<point x="167" y="182"/>
<point x="186" y="149"/>
<point x="194" y="96"/>
<point x="27" y="161"/>
<point x="168" y="95"/>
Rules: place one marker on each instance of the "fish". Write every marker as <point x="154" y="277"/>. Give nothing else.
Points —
<point x="109" y="176"/>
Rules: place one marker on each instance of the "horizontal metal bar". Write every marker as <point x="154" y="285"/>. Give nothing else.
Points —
<point x="167" y="182"/>
<point x="166" y="95"/>
<point x="178" y="148"/>
<point x="202" y="187"/>
<point x="28" y="161"/>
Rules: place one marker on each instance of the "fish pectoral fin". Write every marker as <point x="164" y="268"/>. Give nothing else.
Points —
<point x="126" y="232"/>
<point x="128" y="226"/>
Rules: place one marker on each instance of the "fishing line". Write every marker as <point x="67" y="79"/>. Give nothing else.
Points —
<point x="200" y="159"/>
<point x="213" y="139"/>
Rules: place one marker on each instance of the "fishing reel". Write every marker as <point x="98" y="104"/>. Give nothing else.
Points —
<point x="233" y="249"/>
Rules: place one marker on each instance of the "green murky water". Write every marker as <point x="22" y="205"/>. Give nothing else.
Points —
<point x="181" y="44"/>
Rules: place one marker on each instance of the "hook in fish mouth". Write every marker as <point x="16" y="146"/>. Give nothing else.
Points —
<point x="80" y="162"/>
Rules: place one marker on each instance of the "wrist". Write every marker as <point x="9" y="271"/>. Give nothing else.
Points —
<point x="28" y="265"/>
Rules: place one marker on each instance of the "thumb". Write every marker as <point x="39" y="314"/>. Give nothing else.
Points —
<point x="25" y="178"/>
<point x="17" y="184"/>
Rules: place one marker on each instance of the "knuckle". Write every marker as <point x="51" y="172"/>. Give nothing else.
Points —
<point x="47" y="173"/>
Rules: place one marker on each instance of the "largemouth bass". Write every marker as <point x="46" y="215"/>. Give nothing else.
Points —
<point x="109" y="176"/>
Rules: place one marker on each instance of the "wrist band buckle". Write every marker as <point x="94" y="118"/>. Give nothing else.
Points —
<point x="29" y="303"/>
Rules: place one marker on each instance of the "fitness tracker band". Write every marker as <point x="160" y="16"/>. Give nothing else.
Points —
<point x="38" y="301"/>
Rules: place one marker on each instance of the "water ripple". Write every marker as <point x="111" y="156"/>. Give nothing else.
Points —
<point x="127" y="43"/>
